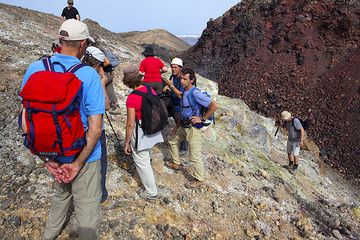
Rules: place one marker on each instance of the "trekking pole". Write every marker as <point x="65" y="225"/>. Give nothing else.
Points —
<point x="277" y="123"/>
<point x="112" y="128"/>
<point x="277" y="130"/>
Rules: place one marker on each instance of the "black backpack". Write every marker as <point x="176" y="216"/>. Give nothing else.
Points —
<point x="304" y="123"/>
<point x="153" y="112"/>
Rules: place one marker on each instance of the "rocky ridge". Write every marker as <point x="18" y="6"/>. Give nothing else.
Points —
<point x="294" y="55"/>
<point x="160" y="37"/>
<point x="248" y="194"/>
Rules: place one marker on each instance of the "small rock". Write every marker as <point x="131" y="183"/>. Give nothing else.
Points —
<point x="337" y="234"/>
<point x="344" y="231"/>
<point x="263" y="173"/>
<point x="251" y="232"/>
<point x="337" y="223"/>
<point x="215" y="206"/>
<point x="6" y="204"/>
<point x="166" y="200"/>
<point x="15" y="220"/>
<point x="73" y="235"/>
<point x="174" y="232"/>
<point x="113" y="224"/>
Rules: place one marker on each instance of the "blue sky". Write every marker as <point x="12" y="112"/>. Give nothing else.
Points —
<point x="177" y="17"/>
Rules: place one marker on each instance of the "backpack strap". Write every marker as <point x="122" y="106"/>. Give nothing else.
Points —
<point x="48" y="64"/>
<point x="76" y="67"/>
<point x="136" y="134"/>
<point x="143" y="94"/>
<point x="192" y="100"/>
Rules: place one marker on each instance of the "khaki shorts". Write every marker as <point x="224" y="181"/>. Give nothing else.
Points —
<point x="293" y="148"/>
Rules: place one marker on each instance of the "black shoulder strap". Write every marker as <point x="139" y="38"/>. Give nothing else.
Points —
<point x="137" y="92"/>
<point x="76" y="67"/>
<point x="48" y="64"/>
<point x="148" y="89"/>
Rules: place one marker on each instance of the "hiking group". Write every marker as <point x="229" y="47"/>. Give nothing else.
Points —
<point x="64" y="98"/>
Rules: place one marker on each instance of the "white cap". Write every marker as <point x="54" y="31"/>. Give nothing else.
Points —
<point x="177" y="61"/>
<point x="73" y="30"/>
<point x="96" y="53"/>
<point x="285" y="115"/>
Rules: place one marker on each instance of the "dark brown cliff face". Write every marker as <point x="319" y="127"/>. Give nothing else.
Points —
<point x="298" y="55"/>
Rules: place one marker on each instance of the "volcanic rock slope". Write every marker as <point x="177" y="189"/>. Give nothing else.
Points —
<point x="247" y="195"/>
<point x="296" y="55"/>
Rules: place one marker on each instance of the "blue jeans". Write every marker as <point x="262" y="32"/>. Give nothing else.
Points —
<point x="103" y="166"/>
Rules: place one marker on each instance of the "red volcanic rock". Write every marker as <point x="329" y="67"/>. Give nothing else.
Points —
<point x="299" y="55"/>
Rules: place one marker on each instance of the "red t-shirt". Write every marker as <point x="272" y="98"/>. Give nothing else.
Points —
<point x="151" y="66"/>
<point x="134" y="101"/>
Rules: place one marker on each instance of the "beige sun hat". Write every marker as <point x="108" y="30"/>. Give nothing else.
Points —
<point x="74" y="30"/>
<point x="177" y="61"/>
<point x="285" y="115"/>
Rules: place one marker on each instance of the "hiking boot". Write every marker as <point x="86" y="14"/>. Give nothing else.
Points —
<point x="293" y="170"/>
<point x="144" y="195"/>
<point x="289" y="166"/>
<point x="161" y="192"/>
<point x="108" y="204"/>
<point x="173" y="166"/>
<point x="194" y="184"/>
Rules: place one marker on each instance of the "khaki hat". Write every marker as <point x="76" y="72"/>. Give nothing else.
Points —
<point x="96" y="53"/>
<point x="177" y="61"/>
<point x="74" y="30"/>
<point x="70" y="2"/>
<point x="285" y="115"/>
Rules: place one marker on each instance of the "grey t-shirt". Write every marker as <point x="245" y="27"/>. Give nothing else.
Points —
<point x="293" y="128"/>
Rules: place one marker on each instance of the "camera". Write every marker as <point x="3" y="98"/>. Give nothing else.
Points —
<point x="185" y="123"/>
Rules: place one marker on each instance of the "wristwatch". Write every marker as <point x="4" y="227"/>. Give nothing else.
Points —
<point x="202" y="119"/>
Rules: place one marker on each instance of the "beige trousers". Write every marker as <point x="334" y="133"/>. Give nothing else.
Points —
<point x="85" y="190"/>
<point x="193" y="137"/>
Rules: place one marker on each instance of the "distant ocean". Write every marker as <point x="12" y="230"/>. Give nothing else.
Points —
<point x="189" y="39"/>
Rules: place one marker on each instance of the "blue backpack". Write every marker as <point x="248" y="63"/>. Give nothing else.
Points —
<point x="194" y="106"/>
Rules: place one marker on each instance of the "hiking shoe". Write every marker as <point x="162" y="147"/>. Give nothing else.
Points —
<point x="144" y="195"/>
<point x="289" y="166"/>
<point x="108" y="204"/>
<point x="161" y="192"/>
<point x="173" y="166"/>
<point x="194" y="184"/>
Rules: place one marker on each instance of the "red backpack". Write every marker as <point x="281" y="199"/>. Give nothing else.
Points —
<point x="52" y="103"/>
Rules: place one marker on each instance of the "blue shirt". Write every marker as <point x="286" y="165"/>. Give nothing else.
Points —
<point x="201" y="99"/>
<point x="174" y="99"/>
<point x="93" y="98"/>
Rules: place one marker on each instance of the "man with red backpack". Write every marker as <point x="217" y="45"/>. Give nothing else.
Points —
<point x="77" y="176"/>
